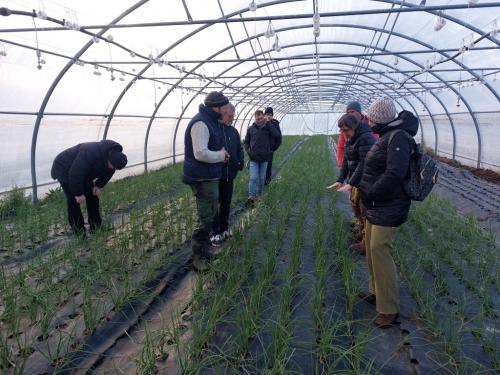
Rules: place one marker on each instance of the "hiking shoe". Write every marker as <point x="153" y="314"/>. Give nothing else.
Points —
<point x="250" y="203"/>
<point x="216" y="240"/>
<point x="227" y="234"/>
<point x="200" y="264"/>
<point x="386" y="320"/>
<point x="368" y="297"/>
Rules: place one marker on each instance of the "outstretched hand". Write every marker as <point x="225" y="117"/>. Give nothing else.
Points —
<point x="345" y="189"/>
<point x="334" y="186"/>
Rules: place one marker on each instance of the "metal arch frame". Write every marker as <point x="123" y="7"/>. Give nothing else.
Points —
<point x="169" y="48"/>
<point x="443" y="15"/>
<point x="411" y="61"/>
<point x="360" y="27"/>
<point x="391" y="79"/>
<point x="233" y="45"/>
<point x="140" y="3"/>
<point x="291" y="103"/>
<point x="56" y="81"/>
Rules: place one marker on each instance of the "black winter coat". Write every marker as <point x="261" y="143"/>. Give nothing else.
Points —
<point x="355" y="152"/>
<point x="385" y="170"/>
<point x="276" y="142"/>
<point x="80" y="165"/>
<point x="232" y="143"/>
<point x="258" y="141"/>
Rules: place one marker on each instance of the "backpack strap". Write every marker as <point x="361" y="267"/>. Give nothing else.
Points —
<point x="410" y="139"/>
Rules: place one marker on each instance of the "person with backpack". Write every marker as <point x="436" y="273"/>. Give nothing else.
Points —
<point x="232" y="143"/>
<point x="83" y="170"/>
<point x="359" y="141"/>
<point x="258" y="142"/>
<point x="387" y="204"/>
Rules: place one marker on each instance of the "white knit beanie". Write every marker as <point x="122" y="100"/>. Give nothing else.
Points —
<point x="382" y="110"/>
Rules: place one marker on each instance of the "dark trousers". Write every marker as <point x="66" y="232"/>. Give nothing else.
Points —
<point x="269" y="169"/>
<point x="75" y="217"/>
<point x="207" y="198"/>
<point x="221" y="218"/>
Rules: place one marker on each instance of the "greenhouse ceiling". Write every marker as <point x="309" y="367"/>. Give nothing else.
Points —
<point x="151" y="62"/>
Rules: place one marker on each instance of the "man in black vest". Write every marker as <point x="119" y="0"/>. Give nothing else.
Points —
<point x="204" y="157"/>
<point x="276" y="142"/>
<point x="82" y="171"/>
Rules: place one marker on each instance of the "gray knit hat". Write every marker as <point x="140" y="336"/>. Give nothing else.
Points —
<point x="382" y="110"/>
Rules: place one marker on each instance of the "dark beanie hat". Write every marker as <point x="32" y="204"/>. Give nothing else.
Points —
<point x="118" y="159"/>
<point x="354" y="105"/>
<point x="269" y="111"/>
<point x="216" y="99"/>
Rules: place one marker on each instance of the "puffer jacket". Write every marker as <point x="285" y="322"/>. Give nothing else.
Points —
<point x="355" y="152"/>
<point x="80" y="165"/>
<point x="385" y="170"/>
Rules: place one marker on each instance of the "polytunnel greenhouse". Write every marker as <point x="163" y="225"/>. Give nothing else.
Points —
<point x="258" y="162"/>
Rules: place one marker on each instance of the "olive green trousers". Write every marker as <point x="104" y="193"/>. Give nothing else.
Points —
<point x="383" y="278"/>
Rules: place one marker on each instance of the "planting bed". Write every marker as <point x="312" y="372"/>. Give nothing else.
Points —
<point x="281" y="296"/>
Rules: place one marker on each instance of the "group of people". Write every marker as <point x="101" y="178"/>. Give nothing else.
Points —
<point x="373" y="154"/>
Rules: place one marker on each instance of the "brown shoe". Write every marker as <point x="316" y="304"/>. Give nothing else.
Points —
<point x="368" y="297"/>
<point x="386" y="320"/>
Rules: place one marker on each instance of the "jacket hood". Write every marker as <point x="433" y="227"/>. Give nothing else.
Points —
<point x="107" y="145"/>
<point x="405" y="121"/>
<point x="361" y="129"/>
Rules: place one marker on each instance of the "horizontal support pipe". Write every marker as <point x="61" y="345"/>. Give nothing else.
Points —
<point x="311" y="56"/>
<point x="432" y="8"/>
<point x="81" y="114"/>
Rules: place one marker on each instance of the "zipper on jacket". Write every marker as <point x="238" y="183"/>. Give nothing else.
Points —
<point x="227" y="150"/>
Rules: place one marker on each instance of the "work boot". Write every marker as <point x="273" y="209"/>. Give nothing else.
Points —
<point x="250" y="203"/>
<point x="368" y="297"/>
<point x="200" y="263"/>
<point x="227" y="234"/>
<point x="359" y="247"/>
<point x="386" y="320"/>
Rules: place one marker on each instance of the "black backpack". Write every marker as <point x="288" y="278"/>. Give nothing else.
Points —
<point x="422" y="172"/>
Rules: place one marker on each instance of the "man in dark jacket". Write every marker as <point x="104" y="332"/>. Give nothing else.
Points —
<point x="258" y="140"/>
<point x="232" y="143"/>
<point x="82" y="171"/>
<point x="360" y="139"/>
<point x="204" y="158"/>
<point x="387" y="205"/>
<point x="269" y="113"/>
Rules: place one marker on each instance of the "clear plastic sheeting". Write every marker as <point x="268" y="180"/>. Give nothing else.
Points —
<point x="136" y="71"/>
